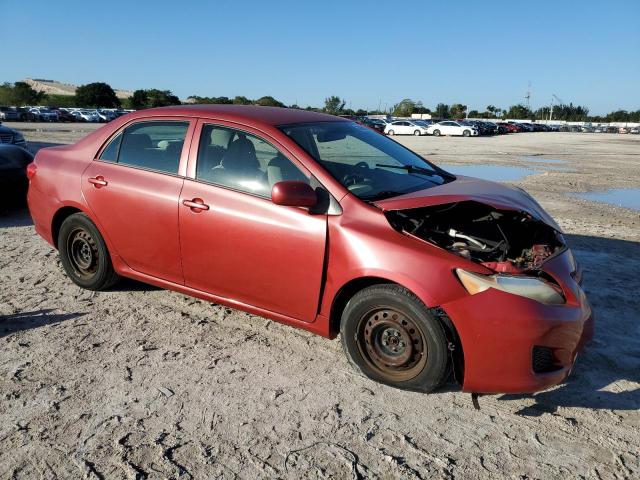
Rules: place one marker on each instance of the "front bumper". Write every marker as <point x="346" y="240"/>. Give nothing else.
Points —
<point x="503" y="334"/>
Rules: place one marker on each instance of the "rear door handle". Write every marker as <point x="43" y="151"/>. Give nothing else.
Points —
<point x="196" y="205"/>
<point x="98" y="181"/>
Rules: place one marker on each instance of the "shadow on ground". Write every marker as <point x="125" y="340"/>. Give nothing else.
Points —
<point x="130" y="285"/>
<point x="611" y="281"/>
<point x="27" y="320"/>
<point x="15" y="215"/>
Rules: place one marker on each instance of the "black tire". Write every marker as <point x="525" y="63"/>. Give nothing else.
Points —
<point x="416" y="132"/>
<point x="436" y="133"/>
<point x="84" y="255"/>
<point x="378" y="314"/>
<point x="466" y="133"/>
<point x="391" y="132"/>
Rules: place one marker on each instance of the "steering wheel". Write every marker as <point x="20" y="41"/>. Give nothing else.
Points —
<point x="350" y="179"/>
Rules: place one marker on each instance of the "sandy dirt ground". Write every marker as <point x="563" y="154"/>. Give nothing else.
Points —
<point x="141" y="383"/>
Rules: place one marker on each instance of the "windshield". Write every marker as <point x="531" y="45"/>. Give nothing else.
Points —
<point x="369" y="165"/>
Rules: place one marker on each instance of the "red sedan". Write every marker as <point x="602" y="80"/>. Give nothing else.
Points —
<point x="323" y="224"/>
<point x="510" y="127"/>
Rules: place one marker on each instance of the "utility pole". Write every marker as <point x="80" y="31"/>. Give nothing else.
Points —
<point x="527" y="97"/>
<point x="560" y="102"/>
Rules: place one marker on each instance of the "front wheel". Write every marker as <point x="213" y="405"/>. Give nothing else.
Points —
<point x="84" y="254"/>
<point x="436" y="133"/>
<point x="466" y="133"/>
<point x="417" y="132"/>
<point x="392" y="338"/>
<point x="391" y="132"/>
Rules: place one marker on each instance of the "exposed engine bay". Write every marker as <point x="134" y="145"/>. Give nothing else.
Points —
<point x="505" y="241"/>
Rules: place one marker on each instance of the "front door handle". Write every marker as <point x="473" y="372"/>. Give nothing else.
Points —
<point x="196" y="205"/>
<point x="98" y="181"/>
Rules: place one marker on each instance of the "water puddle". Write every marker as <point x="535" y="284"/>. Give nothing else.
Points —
<point x="501" y="173"/>
<point x="549" y="164"/>
<point x="495" y="173"/>
<point x="622" y="197"/>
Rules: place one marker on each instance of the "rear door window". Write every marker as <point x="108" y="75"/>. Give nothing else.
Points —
<point x="153" y="145"/>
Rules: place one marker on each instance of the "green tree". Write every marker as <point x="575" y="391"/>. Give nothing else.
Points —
<point x="222" y="100"/>
<point x="404" y="108"/>
<point x="139" y="99"/>
<point x="213" y="100"/>
<point x="333" y="105"/>
<point x="161" y="98"/>
<point x="241" y="101"/>
<point x="519" y="112"/>
<point x="97" y="94"/>
<point x="474" y="114"/>
<point x="442" y="111"/>
<point x="268" y="101"/>
<point x="458" y="110"/>
<point x="420" y="108"/>
<point x="57" y="101"/>
<point x="153" y="98"/>
<point x="23" y="94"/>
<point x="6" y="94"/>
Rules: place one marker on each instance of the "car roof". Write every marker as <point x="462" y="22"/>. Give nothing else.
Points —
<point x="242" y="113"/>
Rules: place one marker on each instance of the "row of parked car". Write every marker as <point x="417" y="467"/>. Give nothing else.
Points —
<point x="465" y="128"/>
<point x="473" y="128"/>
<point x="47" y="114"/>
<point x="599" y="129"/>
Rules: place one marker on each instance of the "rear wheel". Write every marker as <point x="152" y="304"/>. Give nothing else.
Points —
<point x="417" y="132"/>
<point x="390" y="336"/>
<point x="436" y="133"/>
<point x="84" y="254"/>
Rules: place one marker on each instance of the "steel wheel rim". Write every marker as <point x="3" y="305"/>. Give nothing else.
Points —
<point x="392" y="344"/>
<point x="82" y="253"/>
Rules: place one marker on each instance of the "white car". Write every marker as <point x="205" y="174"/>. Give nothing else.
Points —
<point x="86" y="116"/>
<point x="404" y="127"/>
<point x="449" y="127"/>
<point x="105" y="115"/>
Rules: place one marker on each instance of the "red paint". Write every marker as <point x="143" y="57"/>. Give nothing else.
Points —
<point x="289" y="264"/>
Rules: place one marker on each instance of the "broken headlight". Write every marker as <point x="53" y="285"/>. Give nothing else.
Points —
<point x="529" y="287"/>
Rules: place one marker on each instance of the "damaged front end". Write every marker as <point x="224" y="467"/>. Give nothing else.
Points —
<point x="504" y="241"/>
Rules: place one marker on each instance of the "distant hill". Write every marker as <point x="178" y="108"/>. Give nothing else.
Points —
<point x="58" y="88"/>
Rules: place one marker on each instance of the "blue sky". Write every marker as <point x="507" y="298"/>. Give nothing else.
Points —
<point x="368" y="52"/>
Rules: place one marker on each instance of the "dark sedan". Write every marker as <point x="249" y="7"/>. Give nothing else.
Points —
<point x="13" y="177"/>
<point x="11" y="137"/>
<point x="65" y="116"/>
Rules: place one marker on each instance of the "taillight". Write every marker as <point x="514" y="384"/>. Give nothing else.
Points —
<point x="32" y="168"/>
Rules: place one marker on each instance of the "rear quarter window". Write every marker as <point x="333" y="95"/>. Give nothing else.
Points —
<point x="110" y="154"/>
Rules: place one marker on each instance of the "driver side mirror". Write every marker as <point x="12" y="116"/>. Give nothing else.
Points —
<point x="294" y="194"/>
